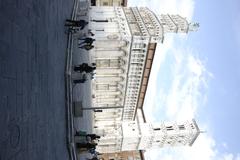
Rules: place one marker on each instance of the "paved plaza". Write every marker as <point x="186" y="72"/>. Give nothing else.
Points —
<point x="32" y="88"/>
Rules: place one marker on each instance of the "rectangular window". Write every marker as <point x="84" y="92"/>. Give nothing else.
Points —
<point x="139" y="45"/>
<point x="169" y="128"/>
<point x="181" y="127"/>
<point x="157" y="129"/>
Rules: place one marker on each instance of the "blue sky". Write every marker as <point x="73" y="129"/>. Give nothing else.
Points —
<point x="197" y="76"/>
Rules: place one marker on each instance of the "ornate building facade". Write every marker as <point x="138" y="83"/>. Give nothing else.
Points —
<point x="125" y="45"/>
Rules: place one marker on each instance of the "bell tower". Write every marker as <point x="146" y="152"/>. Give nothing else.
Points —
<point x="156" y="26"/>
<point x="135" y="135"/>
<point x="176" y="24"/>
<point x="141" y="136"/>
<point x="175" y="134"/>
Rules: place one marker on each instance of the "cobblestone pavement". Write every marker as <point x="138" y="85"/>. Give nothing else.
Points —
<point x="32" y="60"/>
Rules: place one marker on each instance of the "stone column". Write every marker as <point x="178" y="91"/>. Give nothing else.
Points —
<point x="109" y="54"/>
<point x="108" y="79"/>
<point x="108" y="71"/>
<point x="106" y="44"/>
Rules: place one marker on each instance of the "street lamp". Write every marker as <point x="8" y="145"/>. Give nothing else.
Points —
<point x="78" y="108"/>
<point x="94" y="108"/>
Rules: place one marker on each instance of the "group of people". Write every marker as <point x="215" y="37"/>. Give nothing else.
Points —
<point x="87" y="42"/>
<point x="89" y="145"/>
<point x="86" y="70"/>
<point x="76" y="23"/>
<point x="84" y="67"/>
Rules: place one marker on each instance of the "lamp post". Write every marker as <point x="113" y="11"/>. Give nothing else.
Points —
<point x="100" y="109"/>
<point x="93" y="108"/>
<point x="78" y="108"/>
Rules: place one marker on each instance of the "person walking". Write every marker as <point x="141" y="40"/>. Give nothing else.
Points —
<point x="81" y="68"/>
<point x="93" y="136"/>
<point x="87" y="145"/>
<point x="76" y="23"/>
<point x="90" y="69"/>
<point x="87" y="40"/>
<point x="84" y="67"/>
<point x="86" y="47"/>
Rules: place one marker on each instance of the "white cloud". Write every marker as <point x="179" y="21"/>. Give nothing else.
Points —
<point x="228" y="157"/>
<point x="203" y="148"/>
<point x="188" y="86"/>
<point x="238" y="157"/>
<point x="159" y="57"/>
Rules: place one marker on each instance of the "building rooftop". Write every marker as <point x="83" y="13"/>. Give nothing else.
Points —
<point x="146" y="75"/>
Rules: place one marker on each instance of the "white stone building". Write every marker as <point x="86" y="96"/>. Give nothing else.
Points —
<point x="125" y="45"/>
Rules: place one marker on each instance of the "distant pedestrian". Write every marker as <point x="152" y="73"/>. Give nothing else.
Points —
<point x="86" y="145"/>
<point x="86" y="47"/>
<point x="76" y="23"/>
<point x="90" y="69"/>
<point x="80" y="68"/>
<point x="84" y="67"/>
<point x="92" y="75"/>
<point x="93" y="136"/>
<point x="90" y="33"/>
<point x="88" y="41"/>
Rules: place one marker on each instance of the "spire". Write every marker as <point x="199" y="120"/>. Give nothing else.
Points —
<point x="193" y="26"/>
